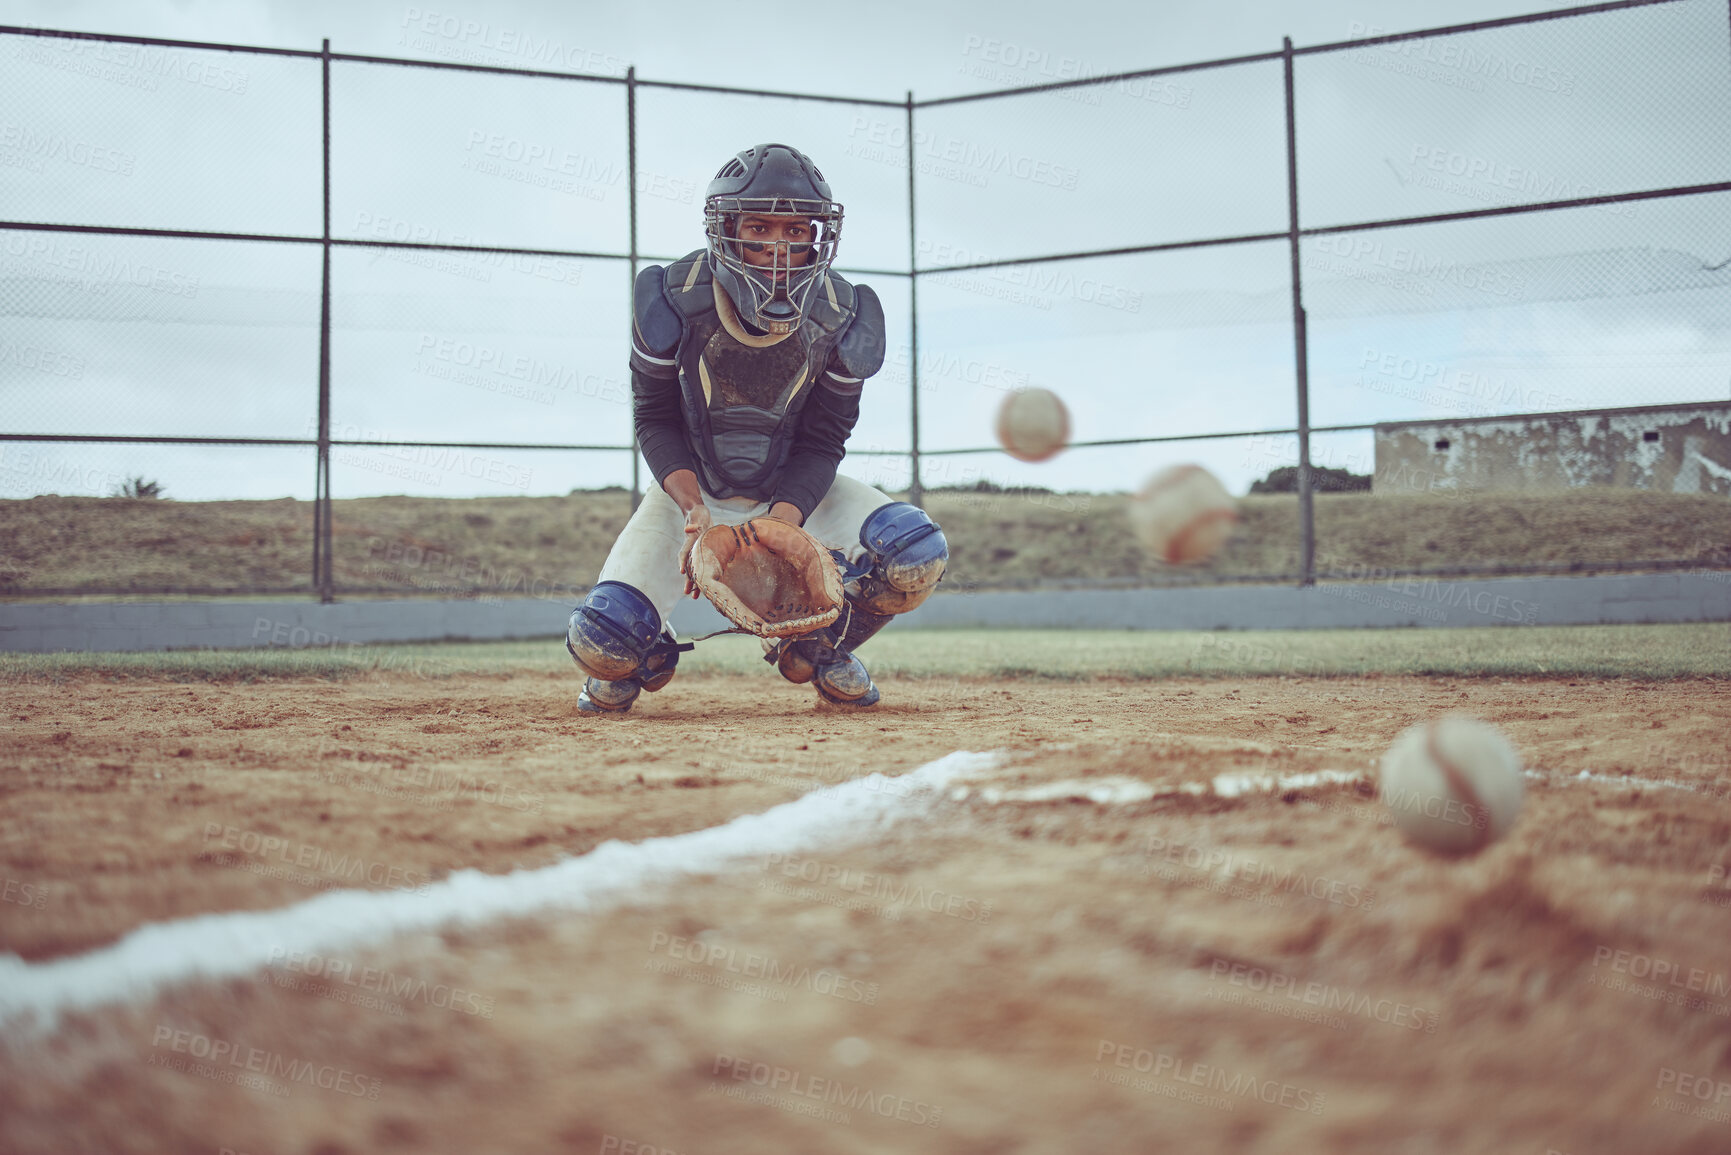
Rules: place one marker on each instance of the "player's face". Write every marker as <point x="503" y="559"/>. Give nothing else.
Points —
<point x="777" y="238"/>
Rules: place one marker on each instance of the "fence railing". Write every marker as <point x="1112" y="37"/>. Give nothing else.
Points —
<point x="969" y="157"/>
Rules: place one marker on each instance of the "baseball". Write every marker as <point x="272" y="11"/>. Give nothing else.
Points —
<point x="1033" y="424"/>
<point x="1452" y="784"/>
<point x="1183" y="515"/>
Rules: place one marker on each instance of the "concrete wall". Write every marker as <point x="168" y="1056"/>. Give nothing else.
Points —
<point x="1550" y="452"/>
<point x="1678" y="597"/>
<point x="1622" y="598"/>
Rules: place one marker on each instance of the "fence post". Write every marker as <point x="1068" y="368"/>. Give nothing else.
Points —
<point x="631" y="292"/>
<point x="916" y="491"/>
<point x="1306" y="519"/>
<point x="322" y="494"/>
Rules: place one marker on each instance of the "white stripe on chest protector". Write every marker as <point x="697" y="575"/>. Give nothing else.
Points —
<point x="641" y="352"/>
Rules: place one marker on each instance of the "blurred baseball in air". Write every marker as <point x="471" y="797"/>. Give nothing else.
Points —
<point x="1453" y="784"/>
<point x="1183" y="515"/>
<point x="1033" y="424"/>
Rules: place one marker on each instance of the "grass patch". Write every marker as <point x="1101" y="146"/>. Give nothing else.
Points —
<point x="1664" y="651"/>
<point x="1647" y="652"/>
<point x="406" y="660"/>
<point x="541" y="545"/>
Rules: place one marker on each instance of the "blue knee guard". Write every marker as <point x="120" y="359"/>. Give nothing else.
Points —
<point x="616" y="634"/>
<point x="909" y="556"/>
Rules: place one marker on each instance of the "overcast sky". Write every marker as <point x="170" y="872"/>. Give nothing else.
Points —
<point x="1615" y="305"/>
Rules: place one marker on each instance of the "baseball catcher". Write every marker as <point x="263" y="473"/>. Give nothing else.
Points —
<point x="747" y="361"/>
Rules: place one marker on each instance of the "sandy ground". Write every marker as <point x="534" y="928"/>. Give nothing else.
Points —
<point x="1274" y="973"/>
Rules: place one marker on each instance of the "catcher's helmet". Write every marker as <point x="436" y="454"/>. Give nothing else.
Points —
<point x="770" y="180"/>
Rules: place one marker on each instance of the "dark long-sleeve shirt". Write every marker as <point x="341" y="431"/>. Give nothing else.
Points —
<point x="819" y="444"/>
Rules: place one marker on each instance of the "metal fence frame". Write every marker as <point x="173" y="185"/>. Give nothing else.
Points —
<point x="324" y="585"/>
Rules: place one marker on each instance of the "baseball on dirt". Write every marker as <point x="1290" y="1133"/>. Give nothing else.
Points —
<point x="1453" y="784"/>
<point x="1183" y="515"/>
<point x="1033" y="424"/>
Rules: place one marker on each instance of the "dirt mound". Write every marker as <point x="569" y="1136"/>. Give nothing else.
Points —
<point x="1016" y="967"/>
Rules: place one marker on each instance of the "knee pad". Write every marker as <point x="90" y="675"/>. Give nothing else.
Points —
<point x="616" y="634"/>
<point x="909" y="556"/>
<point x="796" y="660"/>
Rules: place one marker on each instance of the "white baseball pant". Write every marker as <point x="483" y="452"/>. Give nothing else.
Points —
<point x="646" y="553"/>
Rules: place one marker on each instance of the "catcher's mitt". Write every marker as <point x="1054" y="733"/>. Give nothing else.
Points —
<point x="768" y="577"/>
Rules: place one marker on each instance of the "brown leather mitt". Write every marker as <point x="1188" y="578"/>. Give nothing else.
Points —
<point x="768" y="577"/>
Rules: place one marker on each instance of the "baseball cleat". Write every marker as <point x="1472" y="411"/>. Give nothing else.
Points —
<point x="837" y="675"/>
<point x="845" y="682"/>
<point x="600" y="697"/>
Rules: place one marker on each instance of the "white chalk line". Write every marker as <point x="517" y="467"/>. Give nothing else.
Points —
<point x="1626" y="781"/>
<point x="155" y="956"/>
<point x="215" y="946"/>
<point x="1231" y="786"/>
<point x="1119" y="790"/>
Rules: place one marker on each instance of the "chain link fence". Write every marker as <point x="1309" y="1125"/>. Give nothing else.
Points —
<point x="1479" y="264"/>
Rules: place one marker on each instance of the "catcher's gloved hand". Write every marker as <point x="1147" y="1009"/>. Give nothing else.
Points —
<point x="768" y="577"/>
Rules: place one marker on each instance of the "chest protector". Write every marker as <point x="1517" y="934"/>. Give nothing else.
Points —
<point x="743" y="394"/>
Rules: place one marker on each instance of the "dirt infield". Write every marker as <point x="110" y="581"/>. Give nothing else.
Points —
<point x="1275" y="972"/>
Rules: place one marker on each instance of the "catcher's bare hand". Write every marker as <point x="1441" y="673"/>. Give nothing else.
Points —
<point x="787" y="511"/>
<point x="697" y="523"/>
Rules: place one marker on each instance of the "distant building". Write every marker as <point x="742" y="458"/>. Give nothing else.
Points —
<point x="1670" y="448"/>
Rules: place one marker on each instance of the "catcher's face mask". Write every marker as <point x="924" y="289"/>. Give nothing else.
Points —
<point x="777" y="248"/>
